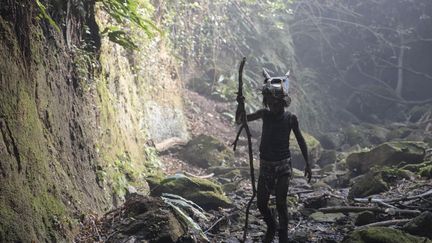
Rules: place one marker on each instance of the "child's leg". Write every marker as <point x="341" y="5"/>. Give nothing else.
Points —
<point x="263" y="196"/>
<point x="281" y="206"/>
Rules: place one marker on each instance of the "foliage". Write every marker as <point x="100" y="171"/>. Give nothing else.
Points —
<point x="127" y="14"/>
<point x="358" y="45"/>
<point x="212" y="37"/>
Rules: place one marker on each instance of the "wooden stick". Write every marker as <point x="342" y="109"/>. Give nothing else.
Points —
<point x="386" y="223"/>
<point x="374" y="200"/>
<point x="347" y="209"/>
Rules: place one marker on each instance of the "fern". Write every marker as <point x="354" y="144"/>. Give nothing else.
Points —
<point x="125" y="13"/>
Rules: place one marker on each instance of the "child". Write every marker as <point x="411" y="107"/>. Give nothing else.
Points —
<point x="275" y="157"/>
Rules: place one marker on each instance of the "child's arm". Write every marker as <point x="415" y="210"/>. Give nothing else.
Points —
<point x="302" y="144"/>
<point x="250" y="117"/>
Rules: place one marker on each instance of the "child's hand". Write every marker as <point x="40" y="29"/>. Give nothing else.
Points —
<point x="308" y="172"/>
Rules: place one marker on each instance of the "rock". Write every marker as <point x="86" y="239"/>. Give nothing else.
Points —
<point x="332" y="140"/>
<point x="426" y="171"/>
<point x="331" y="180"/>
<point x="320" y="185"/>
<point x="390" y="153"/>
<point x="391" y="175"/>
<point x="368" y="184"/>
<point x="365" y="135"/>
<point x="204" y="192"/>
<point x="326" y="217"/>
<point x="364" y="218"/>
<point x="401" y="132"/>
<point x="354" y="135"/>
<point x="221" y="170"/>
<point x="327" y="157"/>
<point x="205" y="151"/>
<point x="420" y="225"/>
<point x="314" y="150"/>
<point x="327" y="169"/>
<point x="297" y="173"/>
<point x="382" y="235"/>
<point x="316" y="201"/>
<point x="146" y="219"/>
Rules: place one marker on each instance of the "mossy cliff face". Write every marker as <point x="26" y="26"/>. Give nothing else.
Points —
<point x="73" y="132"/>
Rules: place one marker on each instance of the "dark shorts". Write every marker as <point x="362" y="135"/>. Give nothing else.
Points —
<point x="275" y="169"/>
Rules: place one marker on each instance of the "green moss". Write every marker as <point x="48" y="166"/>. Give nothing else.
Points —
<point x="426" y="171"/>
<point x="368" y="184"/>
<point x="382" y="235"/>
<point x="354" y="135"/>
<point x="206" y="151"/>
<point x="391" y="175"/>
<point x="204" y="192"/>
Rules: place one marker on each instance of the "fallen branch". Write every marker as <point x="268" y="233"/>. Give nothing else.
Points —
<point x="374" y="200"/>
<point x="385" y="202"/>
<point x="348" y="209"/>
<point x="300" y="192"/>
<point x="425" y="194"/>
<point x="386" y="223"/>
<point x="198" y="176"/>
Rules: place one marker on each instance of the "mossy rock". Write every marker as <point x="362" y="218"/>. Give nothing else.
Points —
<point x="222" y="171"/>
<point x="326" y="217"/>
<point x="382" y="235"/>
<point x="399" y="133"/>
<point x="392" y="175"/>
<point x="365" y="135"/>
<point x="314" y="151"/>
<point x="146" y="219"/>
<point x="205" y="151"/>
<point x="327" y="157"/>
<point x="154" y="180"/>
<point x="204" y="192"/>
<point x="420" y="225"/>
<point x="366" y="217"/>
<point x="426" y="171"/>
<point x="390" y="153"/>
<point x="368" y="184"/>
<point x="332" y="140"/>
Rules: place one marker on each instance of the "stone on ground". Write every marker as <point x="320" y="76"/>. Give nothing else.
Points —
<point x="206" y="193"/>
<point x="205" y="151"/>
<point x="382" y="235"/>
<point x="145" y="219"/>
<point x="420" y="225"/>
<point x="390" y="154"/>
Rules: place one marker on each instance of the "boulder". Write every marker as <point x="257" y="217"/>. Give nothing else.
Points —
<point x="424" y="169"/>
<point x="326" y="217"/>
<point x="378" y="180"/>
<point x="390" y="153"/>
<point x="205" y="151"/>
<point x="366" y="217"/>
<point x="145" y="219"/>
<point x="420" y="225"/>
<point x="314" y="151"/>
<point x="327" y="157"/>
<point x="382" y="235"/>
<point x="206" y="193"/>
<point x="368" y="184"/>
<point x="332" y="140"/>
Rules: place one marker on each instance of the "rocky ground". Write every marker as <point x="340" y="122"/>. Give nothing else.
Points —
<point x="370" y="184"/>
